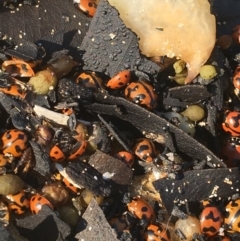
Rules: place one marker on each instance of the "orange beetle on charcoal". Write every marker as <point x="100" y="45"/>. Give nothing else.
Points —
<point x="18" y="202"/>
<point x="88" y="7"/>
<point x="36" y="203"/>
<point x="141" y="93"/>
<point x="141" y="209"/>
<point x="18" y="67"/>
<point x="232" y="216"/>
<point x="211" y="219"/>
<point x="126" y="157"/>
<point x="157" y="233"/>
<point x="231" y="123"/>
<point x="14" y="90"/>
<point x="120" y="80"/>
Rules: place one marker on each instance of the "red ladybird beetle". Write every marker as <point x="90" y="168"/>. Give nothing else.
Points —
<point x="210" y="220"/>
<point x="14" y="142"/>
<point x="36" y="203"/>
<point x="78" y="149"/>
<point x="18" y="202"/>
<point x="14" y="90"/>
<point x="141" y="209"/>
<point x="56" y="154"/>
<point x="141" y="93"/>
<point x="157" y="233"/>
<point x="232" y="217"/>
<point x="88" y="7"/>
<point x="231" y="123"/>
<point x="126" y="157"/>
<point x="120" y="80"/>
<point x="89" y="79"/>
<point x="145" y="150"/>
<point x="231" y="154"/>
<point x="18" y="67"/>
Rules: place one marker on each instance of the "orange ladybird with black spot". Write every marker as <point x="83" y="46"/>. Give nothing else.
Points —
<point x="18" y="203"/>
<point x="141" y="93"/>
<point x="78" y="149"/>
<point x="141" y="209"/>
<point x="211" y="220"/>
<point x="120" y="80"/>
<point x="14" y="142"/>
<point x="88" y="7"/>
<point x="56" y="154"/>
<point x="14" y="90"/>
<point x="145" y="149"/>
<point x="232" y="216"/>
<point x="37" y="202"/>
<point x="18" y="67"/>
<point x="231" y="123"/>
<point x="157" y="232"/>
<point x="126" y="157"/>
<point x="89" y="79"/>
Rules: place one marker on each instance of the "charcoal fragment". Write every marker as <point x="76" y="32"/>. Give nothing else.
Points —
<point x="121" y="173"/>
<point x="115" y="47"/>
<point x="149" y="123"/>
<point x="86" y="176"/>
<point x="34" y="227"/>
<point x="198" y="185"/>
<point x="94" y="225"/>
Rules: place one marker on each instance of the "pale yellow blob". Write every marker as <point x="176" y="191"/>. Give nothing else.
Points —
<point x="182" y="28"/>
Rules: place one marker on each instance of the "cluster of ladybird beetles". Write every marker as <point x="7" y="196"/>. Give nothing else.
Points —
<point x="63" y="144"/>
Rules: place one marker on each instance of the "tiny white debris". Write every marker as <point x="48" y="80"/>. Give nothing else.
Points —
<point x="108" y="175"/>
<point x="112" y="35"/>
<point x="226" y="180"/>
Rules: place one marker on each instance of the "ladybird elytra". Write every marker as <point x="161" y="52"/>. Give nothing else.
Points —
<point x="56" y="154"/>
<point x="231" y="123"/>
<point x="145" y="149"/>
<point x="232" y="216"/>
<point x="14" y="142"/>
<point x="141" y="93"/>
<point x="36" y="203"/>
<point x="120" y="80"/>
<point x="210" y="220"/>
<point x="141" y="209"/>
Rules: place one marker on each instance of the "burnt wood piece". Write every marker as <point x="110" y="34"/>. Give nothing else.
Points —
<point x="111" y="47"/>
<point x="88" y="177"/>
<point x="34" y="227"/>
<point x="121" y="173"/>
<point x="198" y="185"/>
<point x="94" y="226"/>
<point x="150" y="124"/>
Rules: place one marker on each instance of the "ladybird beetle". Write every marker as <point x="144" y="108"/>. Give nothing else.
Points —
<point x="56" y="154"/>
<point x="14" y="142"/>
<point x="18" y="202"/>
<point x="210" y="220"/>
<point x="141" y="93"/>
<point x="232" y="123"/>
<point x="126" y="157"/>
<point x="78" y="149"/>
<point x="118" y="223"/>
<point x="70" y="186"/>
<point x="4" y="214"/>
<point x="36" y="203"/>
<point x="145" y="150"/>
<point x="231" y="154"/>
<point x="18" y="67"/>
<point x="88" y="7"/>
<point x="232" y="216"/>
<point x="120" y="80"/>
<point x="90" y="80"/>
<point x="157" y="233"/>
<point x="14" y="90"/>
<point x="236" y="34"/>
<point x="141" y="209"/>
